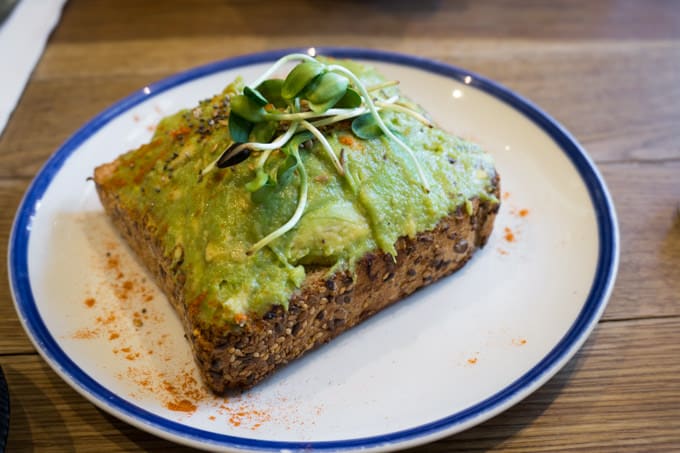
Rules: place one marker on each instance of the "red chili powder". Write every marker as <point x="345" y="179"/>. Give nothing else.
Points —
<point x="112" y="262"/>
<point x="183" y="130"/>
<point x="178" y="391"/>
<point x="85" y="334"/>
<point x="108" y="320"/>
<point x="240" y="318"/>
<point x="244" y="414"/>
<point x="346" y="140"/>
<point x="235" y="420"/>
<point x="181" y="406"/>
<point x="509" y="235"/>
<point x="184" y="392"/>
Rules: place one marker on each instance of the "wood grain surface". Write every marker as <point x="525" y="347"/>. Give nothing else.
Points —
<point x="609" y="71"/>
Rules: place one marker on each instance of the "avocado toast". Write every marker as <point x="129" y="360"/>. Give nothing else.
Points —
<point x="279" y="214"/>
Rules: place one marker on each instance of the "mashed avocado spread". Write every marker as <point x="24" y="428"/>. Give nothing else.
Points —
<point x="209" y="221"/>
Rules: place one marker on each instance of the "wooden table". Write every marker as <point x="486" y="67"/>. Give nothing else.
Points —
<point x="609" y="71"/>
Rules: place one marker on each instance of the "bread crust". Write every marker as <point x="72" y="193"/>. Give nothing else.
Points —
<point x="322" y="308"/>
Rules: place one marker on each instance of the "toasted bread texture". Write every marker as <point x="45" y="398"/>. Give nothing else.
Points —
<point x="324" y="306"/>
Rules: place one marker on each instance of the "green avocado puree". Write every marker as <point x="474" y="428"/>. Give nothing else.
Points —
<point x="209" y="222"/>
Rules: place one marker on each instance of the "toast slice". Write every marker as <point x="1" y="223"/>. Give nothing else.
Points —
<point x="269" y="307"/>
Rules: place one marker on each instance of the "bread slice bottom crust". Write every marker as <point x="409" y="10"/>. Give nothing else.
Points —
<point x="323" y="308"/>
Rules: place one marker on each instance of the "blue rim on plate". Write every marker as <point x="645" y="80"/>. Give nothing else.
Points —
<point x="607" y="264"/>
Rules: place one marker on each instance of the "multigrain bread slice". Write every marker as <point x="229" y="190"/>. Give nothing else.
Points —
<point x="281" y="251"/>
<point x="324" y="306"/>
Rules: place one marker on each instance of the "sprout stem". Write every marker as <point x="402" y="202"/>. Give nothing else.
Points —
<point x="337" y="118"/>
<point x="295" y="116"/>
<point x="299" y="210"/>
<point x="380" y="86"/>
<point x="278" y="64"/>
<point x="324" y="143"/>
<point x="350" y="113"/>
<point x="379" y="121"/>
<point x="401" y="108"/>
<point x="210" y="166"/>
<point x="263" y="158"/>
<point x="277" y="143"/>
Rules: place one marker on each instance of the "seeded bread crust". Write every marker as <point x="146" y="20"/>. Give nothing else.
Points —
<point x="323" y="308"/>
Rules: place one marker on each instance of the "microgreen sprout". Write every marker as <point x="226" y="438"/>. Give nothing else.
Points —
<point x="383" y="85"/>
<point x="299" y="210"/>
<point x="401" y="108"/>
<point x="380" y="122"/>
<point x="326" y="146"/>
<point x="280" y="62"/>
<point x="312" y="96"/>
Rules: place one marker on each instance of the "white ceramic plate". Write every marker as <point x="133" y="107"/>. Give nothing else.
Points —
<point x="441" y="361"/>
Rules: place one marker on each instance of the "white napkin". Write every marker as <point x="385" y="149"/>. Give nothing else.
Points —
<point x="22" y="40"/>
